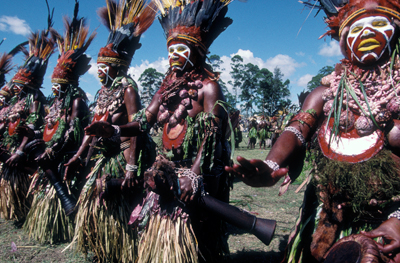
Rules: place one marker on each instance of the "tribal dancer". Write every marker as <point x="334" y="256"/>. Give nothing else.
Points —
<point x="354" y="116"/>
<point x="189" y="106"/>
<point x="102" y="220"/>
<point x="27" y="109"/>
<point x="62" y="135"/>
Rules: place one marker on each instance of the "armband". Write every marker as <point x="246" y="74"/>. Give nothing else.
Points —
<point x="298" y="134"/>
<point x="306" y="118"/>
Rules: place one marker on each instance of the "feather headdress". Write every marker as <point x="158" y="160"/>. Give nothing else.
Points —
<point x="340" y="13"/>
<point x="198" y="22"/>
<point x="127" y="21"/>
<point x="5" y="61"/>
<point x="72" y="62"/>
<point x="32" y="72"/>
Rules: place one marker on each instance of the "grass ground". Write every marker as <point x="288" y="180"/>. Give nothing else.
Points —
<point x="263" y="202"/>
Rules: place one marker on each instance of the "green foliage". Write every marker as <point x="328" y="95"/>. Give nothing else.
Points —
<point x="261" y="90"/>
<point x="150" y="80"/>
<point x="316" y="80"/>
<point x="216" y="62"/>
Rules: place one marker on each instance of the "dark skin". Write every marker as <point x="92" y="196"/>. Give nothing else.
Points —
<point x="131" y="105"/>
<point x="208" y="95"/>
<point x="257" y="174"/>
<point x="15" y="159"/>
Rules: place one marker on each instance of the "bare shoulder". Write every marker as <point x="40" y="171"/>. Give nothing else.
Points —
<point x="212" y="89"/>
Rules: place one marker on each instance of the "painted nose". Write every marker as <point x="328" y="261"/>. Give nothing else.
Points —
<point x="367" y="32"/>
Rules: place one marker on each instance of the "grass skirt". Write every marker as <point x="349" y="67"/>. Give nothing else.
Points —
<point x="167" y="237"/>
<point x="14" y="185"/>
<point x="102" y="222"/>
<point x="46" y="220"/>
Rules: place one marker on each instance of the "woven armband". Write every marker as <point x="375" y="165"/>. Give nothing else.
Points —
<point x="305" y="118"/>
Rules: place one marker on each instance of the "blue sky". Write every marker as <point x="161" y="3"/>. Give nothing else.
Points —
<point x="264" y="32"/>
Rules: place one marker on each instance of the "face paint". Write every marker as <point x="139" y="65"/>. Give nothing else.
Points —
<point x="2" y="101"/>
<point x="17" y="88"/>
<point x="57" y="90"/>
<point x="368" y="39"/>
<point x="178" y="56"/>
<point x="104" y="72"/>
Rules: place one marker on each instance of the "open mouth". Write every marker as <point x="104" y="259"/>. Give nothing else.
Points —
<point x="368" y="44"/>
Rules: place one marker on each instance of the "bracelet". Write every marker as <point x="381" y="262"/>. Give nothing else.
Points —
<point x="131" y="167"/>
<point x="197" y="180"/>
<point x="273" y="165"/>
<point x="116" y="137"/>
<point x="77" y="156"/>
<point x="298" y="134"/>
<point x="395" y="214"/>
<point x="20" y="153"/>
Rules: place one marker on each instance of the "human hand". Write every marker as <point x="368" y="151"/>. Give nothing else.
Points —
<point x="14" y="160"/>
<point x="185" y="184"/>
<point x="130" y="180"/>
<point x="71" y="167"/>
<point x="255" y="172"/>
<point x="100" y="129"/>
<point x="390" y="232"/>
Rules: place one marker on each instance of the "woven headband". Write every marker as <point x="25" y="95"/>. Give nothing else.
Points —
<point x="188" y="38"/>
<point x="117" y="61"/>
<point x="380" y="9"/>
<point x="63" y="81"/>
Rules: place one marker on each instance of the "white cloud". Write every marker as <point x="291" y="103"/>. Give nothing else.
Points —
<point x="300" y="54"/>
<point x="90" y="96"/>
<point x="287" y="64"/>
<point x="330" y="50"/>
<point x="93" y="69"/>
<point x="161" y="65"/>
<point x="303" y="81"/>
<point x="15" y="25"/>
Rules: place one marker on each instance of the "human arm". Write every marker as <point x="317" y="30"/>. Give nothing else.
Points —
<point x="33" y="121"/>
<point x="133" y="105"/>
<point x="287" y="148"/>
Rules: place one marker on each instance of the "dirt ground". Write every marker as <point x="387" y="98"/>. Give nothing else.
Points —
<point x="15" y="245"/>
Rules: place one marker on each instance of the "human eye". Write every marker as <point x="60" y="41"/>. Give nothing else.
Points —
<point x="181" y="49"/>
<point x="379" y="23"/>
<point x="356" y="29"/>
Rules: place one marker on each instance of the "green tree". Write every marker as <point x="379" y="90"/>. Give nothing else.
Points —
<point x="150" y="80"/>
<point x="216" y="62"/>
<point x="276" y="97"/>
<point x="249" y="79"/>
<point x="316" y="80"/>
<point x="236" y="73"/>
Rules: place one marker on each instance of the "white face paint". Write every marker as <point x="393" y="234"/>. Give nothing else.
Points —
<point x="178" y="56"/>
<point x="103" y="73"/>
<point x="369" y="38"/>
<point x="56" y="88"/>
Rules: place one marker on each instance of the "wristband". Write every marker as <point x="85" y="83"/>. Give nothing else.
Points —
<point x="131" y="167"/>
<point x="20" y="153"/>
<point x="273" y="165"/>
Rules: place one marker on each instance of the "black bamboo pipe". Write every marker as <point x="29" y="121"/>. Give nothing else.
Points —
<point x="262" y="228"/>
